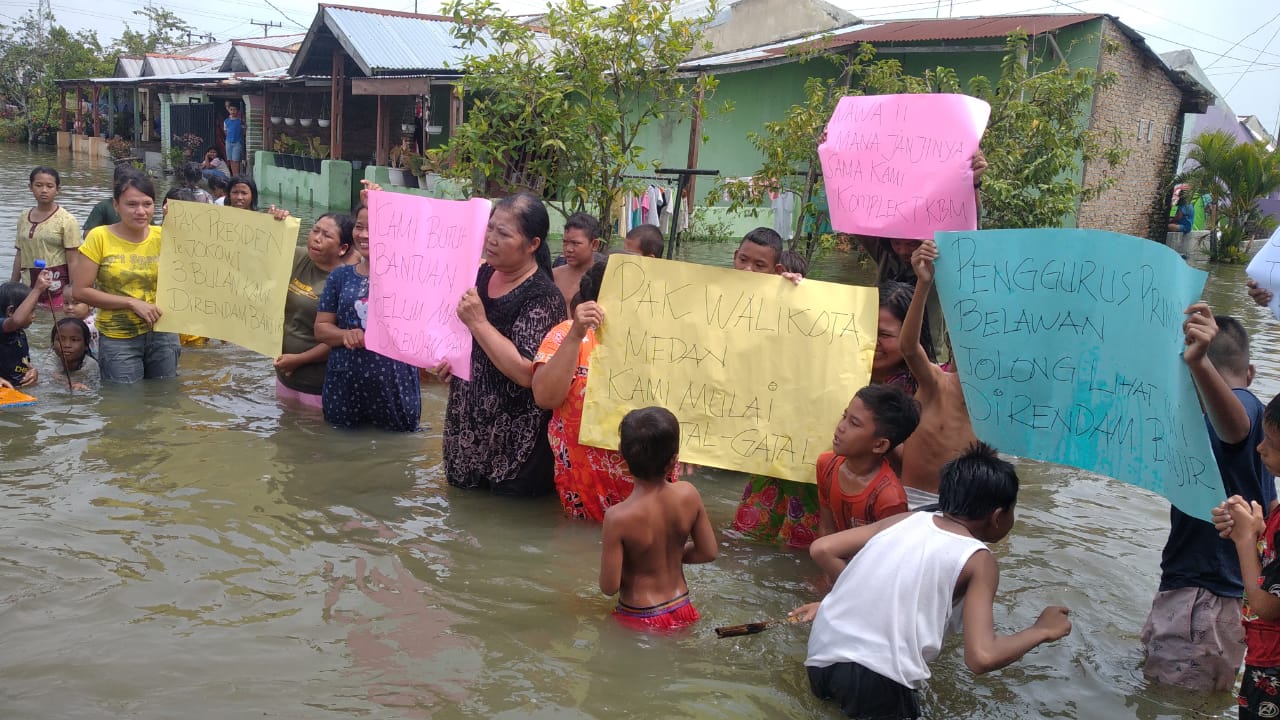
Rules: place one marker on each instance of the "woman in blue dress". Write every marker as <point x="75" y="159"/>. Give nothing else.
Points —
<point x="361" y="387"/>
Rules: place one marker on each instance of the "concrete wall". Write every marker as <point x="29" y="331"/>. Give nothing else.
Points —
<point x="330" y="188"/>
<point x="1144" y="106"/>
<point x="751" y="23"/>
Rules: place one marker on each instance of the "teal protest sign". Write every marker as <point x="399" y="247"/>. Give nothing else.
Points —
<point x="1069" y="347"/>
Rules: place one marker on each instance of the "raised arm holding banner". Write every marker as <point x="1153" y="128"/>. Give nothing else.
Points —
<point x="897" y="166"/>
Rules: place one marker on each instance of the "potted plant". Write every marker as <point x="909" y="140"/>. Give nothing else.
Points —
<point x="316" y="151"/>
<point x="323" y="120"/>
<point x="280" y="148"/>
<point x="119" y="148"/>
<point x="289" y="118"/>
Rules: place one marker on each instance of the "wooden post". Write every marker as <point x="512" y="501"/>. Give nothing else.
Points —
<point x="695" y="142"/>
<point x="97" y="129"/>
<point x="267" y="128"/>
<point x="62" y="110"/>
<point x="336" y="92"/>
<point x="137" y="117"/>
<point x="79" y="109"/>
<point x="380" y="134"/>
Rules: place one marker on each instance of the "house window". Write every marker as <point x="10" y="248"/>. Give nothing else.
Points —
<point x="1140" y="122"/>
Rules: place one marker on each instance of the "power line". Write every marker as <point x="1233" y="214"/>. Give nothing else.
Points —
<point x="1246" y="37"/>
<point x="1273" y="38"/>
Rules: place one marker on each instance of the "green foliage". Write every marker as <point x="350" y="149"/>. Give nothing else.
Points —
<point x="166" y="32"/>
<point x="790" y="145"/>
<point x="1236" y="176"/>
<point x="559" y="113"/>
<point x="1038" y="139"/>
<point x="33" y="53"/>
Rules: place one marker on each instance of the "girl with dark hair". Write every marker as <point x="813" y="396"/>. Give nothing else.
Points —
<point x="588" y="480"/>
<point x="70" y="355"/>
<point x="242" y="193"/>
<point x="495" y="434"/>
<point x="117" y="273"/>
<point x="301" y="366"/>
<point x="888" y="365"/>
<point x="46" y="232"/>
<point x="360" y="386"/>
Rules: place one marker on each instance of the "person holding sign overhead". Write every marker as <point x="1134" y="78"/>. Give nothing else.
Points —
<point x="361" y="387"/>
<point x="118" y="273"/>
<point x="300" y="368"/>
<point x="1193" y="637"/>
<point x="495" y="435"/>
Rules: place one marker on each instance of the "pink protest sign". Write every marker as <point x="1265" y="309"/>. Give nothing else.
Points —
<point x="423" y="254"/>
<point x="898" y="165"/>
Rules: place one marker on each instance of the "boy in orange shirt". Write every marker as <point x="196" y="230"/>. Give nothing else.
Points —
<point x="856" y="484"/>
<point x="651" y="535"/>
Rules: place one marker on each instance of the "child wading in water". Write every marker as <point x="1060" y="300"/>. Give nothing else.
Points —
<point x="1254" y="537"/>
<point x="944" y="431"/>
<point x="856" y="483"/>
<point x="651" y="535"/>
<point x="899" y="582"/>
<point x="17" y="310"/>
<point x="46" y="232"/>
<point x="70" y="356"/>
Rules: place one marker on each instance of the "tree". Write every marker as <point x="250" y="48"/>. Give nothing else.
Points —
<point x="1038" y="140"/>
<point x="558" y="110"/>
<point x="24" y="64"/>
<point x="1235" y="175"/>
<point x="1035" y="143"/>
<point x="166" y="32"/>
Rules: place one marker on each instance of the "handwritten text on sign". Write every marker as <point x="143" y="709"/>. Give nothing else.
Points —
<point x="423" y="254"/>
<point x="898" y="165"/>
<point x="1075" y="359"/>
<point x="758" y="370"/>
<point x="224" y="273"/>
<point x="1265" y="270"/>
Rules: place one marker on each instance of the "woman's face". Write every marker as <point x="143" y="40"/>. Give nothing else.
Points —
<point x="44" y="188"/>
<point x="68" y="344"/>
<point x="240" y="196"/>
<point x="361" y="232"/>
<point x="135" y="208"/>
<point x="324" y="242"/>
<point x="888" y="357"/>
<point x="505" y="246"/>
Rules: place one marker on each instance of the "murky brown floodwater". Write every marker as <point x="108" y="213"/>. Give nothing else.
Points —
<point x="191" y="548"/>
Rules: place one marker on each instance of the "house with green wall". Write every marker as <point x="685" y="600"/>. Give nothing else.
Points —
<point x="1145" y="105"/>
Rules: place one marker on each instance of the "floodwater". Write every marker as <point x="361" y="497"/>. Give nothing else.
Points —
<point x="191" y="547"/>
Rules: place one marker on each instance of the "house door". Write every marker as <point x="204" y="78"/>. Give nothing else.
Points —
<point x="197" y="119"/>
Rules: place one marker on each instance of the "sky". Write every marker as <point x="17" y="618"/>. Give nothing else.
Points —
<point x="1236" y="41"/>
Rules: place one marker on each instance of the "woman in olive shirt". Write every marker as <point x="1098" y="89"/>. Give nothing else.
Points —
<point x="301" y="366"/>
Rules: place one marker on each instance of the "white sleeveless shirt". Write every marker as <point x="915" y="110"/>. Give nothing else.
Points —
<point x="889" y="609"/>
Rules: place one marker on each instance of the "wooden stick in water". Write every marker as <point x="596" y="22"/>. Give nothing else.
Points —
<point x="751" y="628"/>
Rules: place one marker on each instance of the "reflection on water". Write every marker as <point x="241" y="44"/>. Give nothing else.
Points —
<point x="195" y="545"/>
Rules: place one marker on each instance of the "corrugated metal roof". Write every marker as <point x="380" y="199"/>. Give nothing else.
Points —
<point x="905" y="31"/>
<point x="160" y="64"/>
<point x="384" y="42"/>
<point x="128" y="67"/>
<point x="246" y="56"/>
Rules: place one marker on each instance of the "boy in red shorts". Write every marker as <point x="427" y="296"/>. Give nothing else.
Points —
<point x="651" y="535"/>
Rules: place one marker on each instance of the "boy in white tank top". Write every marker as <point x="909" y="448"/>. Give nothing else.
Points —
<point x="899" y="582"/>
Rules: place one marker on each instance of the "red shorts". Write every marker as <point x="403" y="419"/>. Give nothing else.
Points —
<point x="670" y="615"/>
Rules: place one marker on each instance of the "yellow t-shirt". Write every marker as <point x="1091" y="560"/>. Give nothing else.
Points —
<point x="51" y="239"/>
<point x="126" y="269"/>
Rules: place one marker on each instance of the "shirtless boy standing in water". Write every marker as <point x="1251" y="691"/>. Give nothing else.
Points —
<point x="944" y="431"/>
<point x="651" y="535"/>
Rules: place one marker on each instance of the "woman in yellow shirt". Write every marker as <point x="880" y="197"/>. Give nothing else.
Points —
<point x="118" y="273"/>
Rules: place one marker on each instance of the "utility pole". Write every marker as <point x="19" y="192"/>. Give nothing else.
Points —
<point x="265" y="25"/>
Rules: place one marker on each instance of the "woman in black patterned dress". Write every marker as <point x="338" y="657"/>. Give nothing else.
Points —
<point x="495" y="435"/>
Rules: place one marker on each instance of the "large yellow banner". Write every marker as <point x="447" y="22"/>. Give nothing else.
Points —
<point x="224" y="274"/>
<point x="757" y="369"/>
